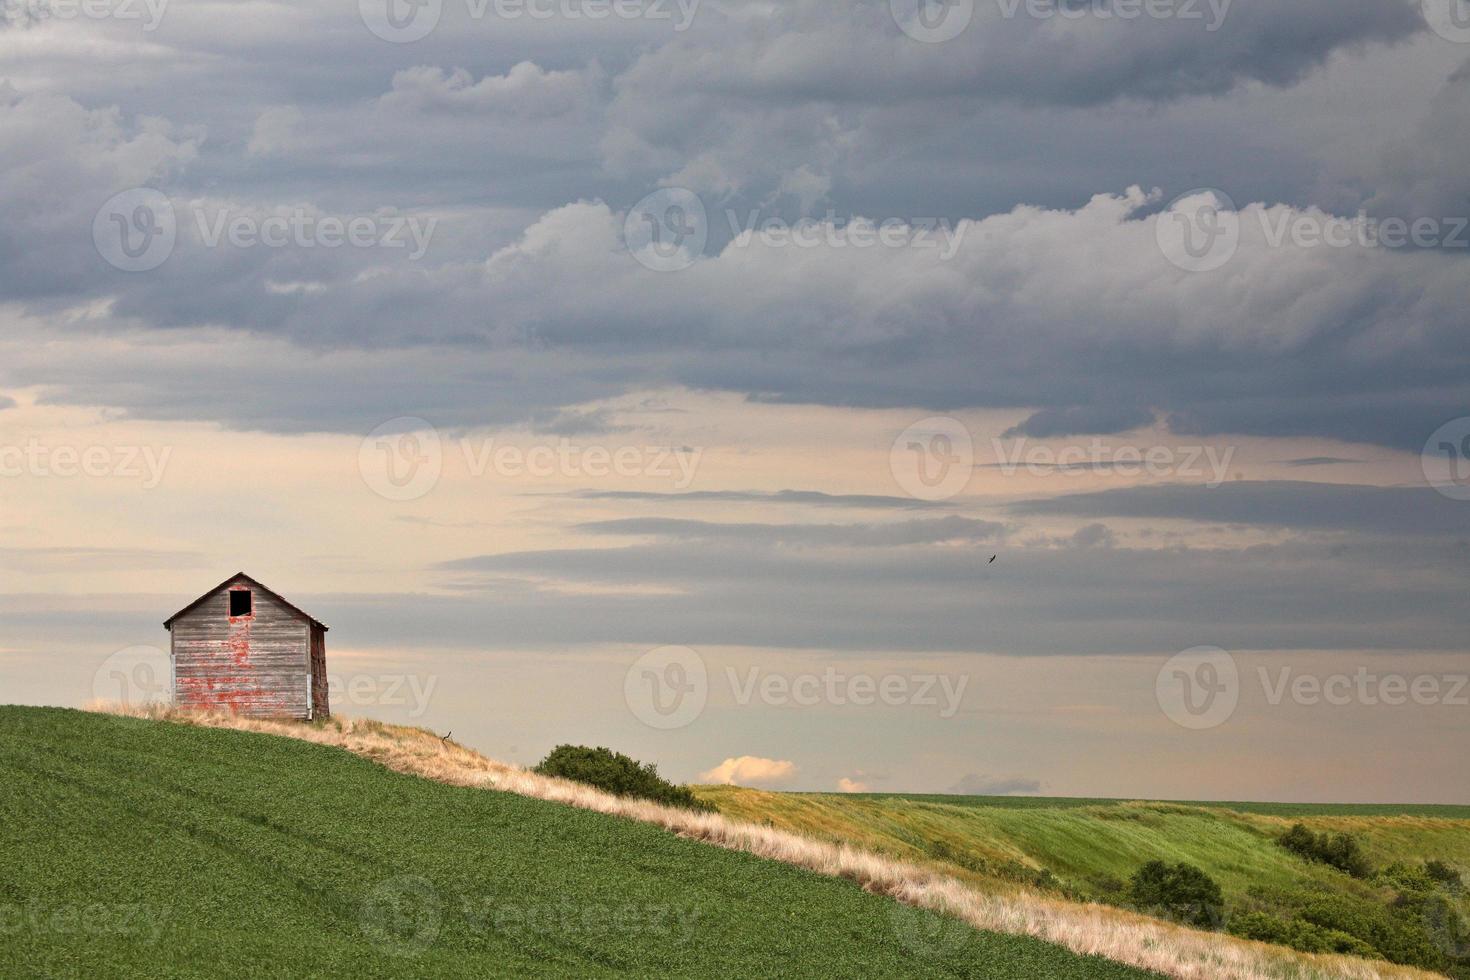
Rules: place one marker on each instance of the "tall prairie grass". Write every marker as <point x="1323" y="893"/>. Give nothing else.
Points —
<point x="1089" y="929"/>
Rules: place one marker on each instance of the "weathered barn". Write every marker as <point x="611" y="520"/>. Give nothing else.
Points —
<point x="243" y="647"/>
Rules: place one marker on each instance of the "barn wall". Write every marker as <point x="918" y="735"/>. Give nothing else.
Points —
<point x="252" y="665"/>
<point x="321" y="705"/>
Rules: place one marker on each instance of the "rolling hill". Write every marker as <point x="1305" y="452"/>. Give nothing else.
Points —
<point x="142" y="848"/>
<point x="1087" y="850"/>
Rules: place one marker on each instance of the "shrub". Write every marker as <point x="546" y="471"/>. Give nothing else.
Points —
<point x="1181" y="892"/>
<point x="617" y="774"/>
<point x="1399" y="934"/>
<point x="1340" y="851"/>
<point x="1298" y="934"/>
<point x="1444" y="875"/>
<point x="1406" y="879"/>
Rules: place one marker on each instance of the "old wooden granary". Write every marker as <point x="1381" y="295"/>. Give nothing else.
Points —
<point x="243" y="647"/>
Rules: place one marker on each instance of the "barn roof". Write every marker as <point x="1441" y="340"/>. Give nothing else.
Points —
<point x="169" y="623"/>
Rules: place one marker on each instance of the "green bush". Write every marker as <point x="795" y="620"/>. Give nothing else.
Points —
<point x="1406" y="879"/>
<point x="1298" y="934"/>
<point x="1399" y="933"/>
<point x="1181" y="892"/>
<point x="1340" y="851"/>
<point x="1444" y="875"/>
<point x="618" y="774"/>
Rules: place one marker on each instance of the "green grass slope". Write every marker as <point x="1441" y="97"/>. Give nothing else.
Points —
<point x="135" y="848"/>
<point x="1088" y="849"/>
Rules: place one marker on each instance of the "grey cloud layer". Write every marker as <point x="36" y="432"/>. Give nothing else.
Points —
<point x="1417" y="511"/>
<point x="525" y="304"/>
<point x="1036" y="601"/>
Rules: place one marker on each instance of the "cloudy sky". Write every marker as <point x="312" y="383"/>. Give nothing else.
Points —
<point x="664" y="374"/>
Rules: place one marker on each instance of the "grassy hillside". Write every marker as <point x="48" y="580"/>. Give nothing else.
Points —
<point x="1269" y="809"/>
<point x="140" y="848"/>
<point x="1087" y="849"/>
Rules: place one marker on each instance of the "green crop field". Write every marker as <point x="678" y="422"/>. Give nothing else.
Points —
<point x="1088" y="849"/>
<point x="137" y="848"/>
<point x="1268" y="809"/>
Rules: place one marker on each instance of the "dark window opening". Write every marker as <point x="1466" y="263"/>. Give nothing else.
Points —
<point x="239" y="603"/>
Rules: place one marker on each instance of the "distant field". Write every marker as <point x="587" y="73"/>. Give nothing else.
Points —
<point x="1269" y="809"/>
<point x="136" y="848"/>
<point x="1088" y="849"/>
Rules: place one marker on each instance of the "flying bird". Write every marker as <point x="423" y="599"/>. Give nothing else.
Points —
<point x="992" y="559"/>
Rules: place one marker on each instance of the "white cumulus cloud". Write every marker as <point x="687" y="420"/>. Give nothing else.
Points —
<point x="750" y="770"/>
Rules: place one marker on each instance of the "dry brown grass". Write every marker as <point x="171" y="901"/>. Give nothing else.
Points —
<point x="1100" y="930"/>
